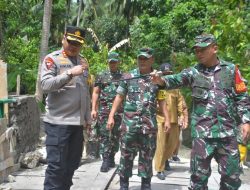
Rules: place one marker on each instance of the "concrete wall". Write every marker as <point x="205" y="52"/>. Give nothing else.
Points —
<point x="24" y="116"/>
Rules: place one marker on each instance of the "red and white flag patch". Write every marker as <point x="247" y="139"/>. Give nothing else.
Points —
<point x="240" y="85"/>
<point x="49" y="62"/>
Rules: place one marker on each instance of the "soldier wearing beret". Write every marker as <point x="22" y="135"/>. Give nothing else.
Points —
<point x="139" y="126"/>
<point x="219" y="95"/>
<point x="104" y="93"/>
<point x="67" y="108"/>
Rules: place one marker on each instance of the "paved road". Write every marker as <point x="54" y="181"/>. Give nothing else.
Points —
<point x="89" y="177"/>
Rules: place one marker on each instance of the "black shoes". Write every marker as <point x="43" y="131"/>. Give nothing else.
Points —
<point x="124" y="183"/>
<point x="161" y="175"/>
<point x="167" y="166"/>
<point x="146" y="183"/>
<point x="105" y="163"/>
<point x="108" y="162"/>
<point x="111" y="160"/>
<point x="105" y="166"/>
<point x="176" y="158"/>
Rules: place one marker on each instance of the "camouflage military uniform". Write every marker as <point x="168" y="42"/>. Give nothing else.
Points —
<point x="213" y="121"/>
<point x="139" y="126"/>
<point x="109" y="141"/>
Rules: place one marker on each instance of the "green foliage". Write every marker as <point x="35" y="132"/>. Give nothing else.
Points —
<point x="98" y="60"/>
<point x="230" y="25"/>
<point x="152" y="7"/>
<point x="110" y="30"/>
<point x="168" y="26"/>
<point x="20" y="47"/>
<point x="22" y="60"/>
<point x="173" y="32"/>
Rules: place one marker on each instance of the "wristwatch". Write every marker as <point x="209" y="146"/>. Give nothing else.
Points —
<point x="68" y="72"/>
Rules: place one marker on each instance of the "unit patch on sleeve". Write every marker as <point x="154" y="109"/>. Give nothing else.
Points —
<point x="49" y="62"/>
<point x="240" y="86"/>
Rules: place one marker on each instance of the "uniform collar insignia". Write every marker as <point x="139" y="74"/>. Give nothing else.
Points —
<point x="64" y="54"/>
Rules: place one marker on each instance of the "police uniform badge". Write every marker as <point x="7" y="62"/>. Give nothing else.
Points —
<point x="49" y="63"/>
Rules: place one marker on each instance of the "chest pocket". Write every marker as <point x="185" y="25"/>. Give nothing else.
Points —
<point x="110" y="89"/>
<point x="133" y="93"/>
<point x="200" y="92"/>
<point x="201" y="87"/>
<point x="152" y="92"/>
<point x="226" y="79"/>
<point x="172" y="98"/>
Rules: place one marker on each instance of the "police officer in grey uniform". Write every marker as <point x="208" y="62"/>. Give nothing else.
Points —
<point x="67" y="109"/>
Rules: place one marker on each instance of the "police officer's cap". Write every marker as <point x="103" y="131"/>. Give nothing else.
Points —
<point x="74" y="33"/>
<point x="145" y="52"/>
<point x="113" y="56"/>
<point x="204" y="40"/>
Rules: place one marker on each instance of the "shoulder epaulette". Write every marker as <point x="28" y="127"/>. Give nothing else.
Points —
<point x="226" y="63"/>
<point x="56" y="53"/>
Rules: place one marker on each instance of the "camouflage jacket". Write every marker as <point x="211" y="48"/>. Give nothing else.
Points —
<point x="108" y="90"/>
<point x="140" y="104"/>
<point x="215" y="102"/>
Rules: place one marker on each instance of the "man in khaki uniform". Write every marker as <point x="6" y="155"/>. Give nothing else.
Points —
<point x="183" y="124"/>
<point x="167" y="142"/>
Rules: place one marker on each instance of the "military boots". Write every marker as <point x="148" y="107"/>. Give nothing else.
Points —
<point x="124" y="183"/>
<point x="146" y="183"/>
<point x="111" y="160"/>
<point x="105" y="163"/>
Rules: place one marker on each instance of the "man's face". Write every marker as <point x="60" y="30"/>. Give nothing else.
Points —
<point x="145" y="63"/>
<point x="206" y="54"/>
<point x="113" y="65"/>
<point x="71" y="48"/>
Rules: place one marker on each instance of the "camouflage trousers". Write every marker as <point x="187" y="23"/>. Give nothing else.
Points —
<point x="131" y="143"/>
<point x="109" y="140"/>
<point x="225" y="151"/>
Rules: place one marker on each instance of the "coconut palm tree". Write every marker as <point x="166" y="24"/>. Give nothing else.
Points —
<point x="44" y="44"/>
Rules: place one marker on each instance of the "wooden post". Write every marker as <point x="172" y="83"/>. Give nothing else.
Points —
<point x="6" y="158"/>
<point x="18" y="85"/>
<point x="3" y="83"/>
<point x="3" y="80"/>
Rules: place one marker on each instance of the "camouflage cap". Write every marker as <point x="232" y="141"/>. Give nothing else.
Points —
<point x="204" y="40"/>
<point x="165" y="67"/>
<point x="74" y="33"/>
<point x="113" y="56"/>
<point x="145" y="52"/>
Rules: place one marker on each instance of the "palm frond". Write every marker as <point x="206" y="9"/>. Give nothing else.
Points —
<point x="119" y="44"/>
<point x="94" y="37"/>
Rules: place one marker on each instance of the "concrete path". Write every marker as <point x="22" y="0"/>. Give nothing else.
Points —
<point x="89" y="177"/>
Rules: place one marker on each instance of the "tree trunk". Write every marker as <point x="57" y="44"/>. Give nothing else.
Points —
<point x="68" y="3"/>
<point x="44" y="45"/>
<point x="1" y="30"/>
<point x="79" y="13"/>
